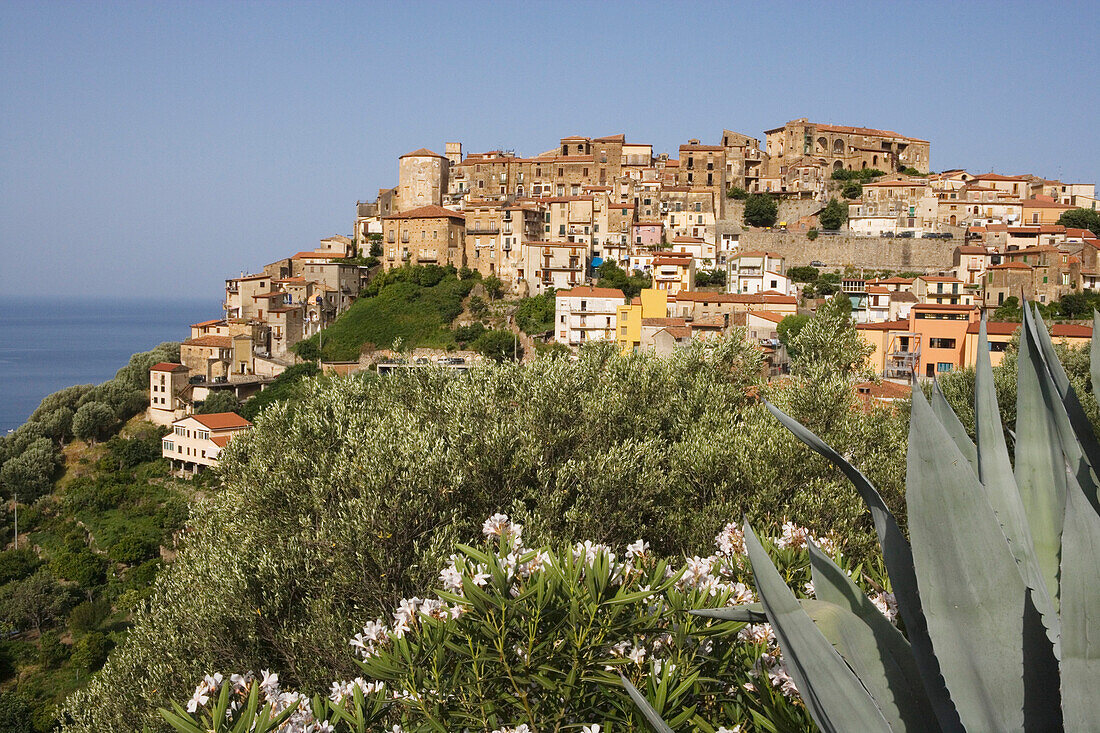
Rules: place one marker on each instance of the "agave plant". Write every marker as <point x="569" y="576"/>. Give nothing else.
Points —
<point x="999" y="591"/>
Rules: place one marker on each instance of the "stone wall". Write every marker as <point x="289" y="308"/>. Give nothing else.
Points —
<point x="838" y="251"/>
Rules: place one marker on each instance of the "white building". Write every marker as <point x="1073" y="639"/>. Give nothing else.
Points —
<point x="196" y="441"/>
<point x="750" y="273"/>
<point x="586" y="314"/>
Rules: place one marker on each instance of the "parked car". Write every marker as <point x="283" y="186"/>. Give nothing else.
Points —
<point x="817" y="263"/>
<point x="905" y="235"/>
<point x="888" y="235"/>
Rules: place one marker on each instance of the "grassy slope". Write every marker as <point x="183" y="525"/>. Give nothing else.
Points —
<point x="418" y="315"/>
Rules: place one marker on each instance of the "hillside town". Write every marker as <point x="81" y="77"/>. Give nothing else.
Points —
<point x="920" y="255"/>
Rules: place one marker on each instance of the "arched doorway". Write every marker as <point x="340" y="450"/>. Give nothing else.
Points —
<point x="822" y="145"/>
<point x="953" y="220"/>
<point x="838" y="147"/>
<point x="838" y="166"/>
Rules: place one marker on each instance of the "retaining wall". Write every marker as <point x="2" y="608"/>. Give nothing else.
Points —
<point x="841" y="250"/>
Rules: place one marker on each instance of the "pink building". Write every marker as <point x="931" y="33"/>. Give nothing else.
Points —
<point x="647" y="233"/>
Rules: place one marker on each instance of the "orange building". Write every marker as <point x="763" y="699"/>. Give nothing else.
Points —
<point x="932" y="341"/>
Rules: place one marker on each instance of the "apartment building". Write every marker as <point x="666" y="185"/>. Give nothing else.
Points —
<point x="673" y="272"/>
<point x="585" y="314"/>
<point x="196" y="441"/>
<point x="558" y="265"/>
<point x="931" y="341"/>
<point x="757" y="272"/>
<point x="942" y="290"/>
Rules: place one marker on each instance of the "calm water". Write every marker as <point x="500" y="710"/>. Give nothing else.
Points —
<point x="45" y="346"/>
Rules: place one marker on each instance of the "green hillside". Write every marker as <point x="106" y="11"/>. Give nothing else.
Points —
<point x="414" y="304"/>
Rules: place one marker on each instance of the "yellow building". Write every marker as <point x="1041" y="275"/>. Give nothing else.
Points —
<point x="651" y="303"/>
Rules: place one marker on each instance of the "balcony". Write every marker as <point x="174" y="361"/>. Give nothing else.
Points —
<point x="481" y="229"/>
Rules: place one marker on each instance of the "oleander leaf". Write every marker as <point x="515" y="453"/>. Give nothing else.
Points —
<point x="1080" y="663"/>
<point x="834" y="695"/>
<point x="651" y="715"/>
<point x="973" y="593"/>
<point x="898" y="557"/>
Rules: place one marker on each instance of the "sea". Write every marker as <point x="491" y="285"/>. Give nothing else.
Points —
<point x="49" y="344"/>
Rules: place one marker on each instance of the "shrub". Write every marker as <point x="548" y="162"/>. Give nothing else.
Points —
<point x="478" y="307"/>
<point x="760" y="210"/>
<point x="738" y="193"/>
<point x="31" y="473"/>
<point x="499" y="346"/>
<point x="1081" y="219"/>
<point x="51" y="651"/>
<point x="17" y="564"/>
<point x="852" y="190"/>
<point x="90" y="651"/>
<point x="81" y="565"/>
<point x="610" y="275"/>
<point x="464" y="334"/>
<point x="133" y="548"/>
<point x="811" y="234"/>
<point x="87" y="616"/>
<point x="15" y="713"/>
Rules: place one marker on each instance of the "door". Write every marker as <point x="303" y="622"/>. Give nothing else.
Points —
<point x="931" y="370"/>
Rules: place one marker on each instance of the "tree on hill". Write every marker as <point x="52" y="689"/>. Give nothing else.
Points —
<point x="833" y="216"/>
<point x="852" y="190"/>
<point x="1081" y="219"/>
<point x="222" y="400"/>
<point x="499" y="346"/>
<point x="94" y="420"/>
<point x="494" y="288"/>
<point x="610" y="275"/>
<point x="803" y="273"/>
<point x="761" y="210"/>
<point x="30" y="474"/>
<point x="828" y="342"/>
<point x="789" y="327"/>
<point x="535" y="315"/>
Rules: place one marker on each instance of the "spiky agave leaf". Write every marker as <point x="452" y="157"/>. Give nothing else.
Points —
<point x="1075" y="433"/>
<point x="652" y="716"/>
<point x="834" y="695"/>
<point x="1080" y="663"/>
<point x="952" y="424"/>
<point x="898" y="557"/>
<point x="973" y="593"/>
<point x="894" y="666"/>
<point x="997" y="480"/>
<point x="1040" y="467"/>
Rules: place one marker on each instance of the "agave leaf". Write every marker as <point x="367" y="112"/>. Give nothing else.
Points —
<point x="1040" y="468"/>
<point x="996" y="478"/>
<point x="834" y="695"/>
<point x="1075" y="433"/>
<point x="651" y="715"/>
<point x="898" y="556"/>
<point x="952" y="424"/>
<point x="972" y="591"/>
<point x="896" y="667"/>
<point x="1094" y="353"/>
<point x="1080" y="665"/>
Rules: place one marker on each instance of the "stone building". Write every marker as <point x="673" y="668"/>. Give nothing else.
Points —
<point x="843" y="147"/>
<point x="422" y="179"/>
<point x="428" y="235"/>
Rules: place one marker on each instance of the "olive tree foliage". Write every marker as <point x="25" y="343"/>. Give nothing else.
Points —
<point x="30" y="474"/>
<point x="94" y="420"/>
<point x="829" y="343"/>
<point x="351" y="497"/>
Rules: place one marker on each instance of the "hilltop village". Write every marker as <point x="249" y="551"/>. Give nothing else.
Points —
<point x="740" y="233"/>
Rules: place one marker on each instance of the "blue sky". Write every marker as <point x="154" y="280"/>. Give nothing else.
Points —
<point x="156" y="148"/>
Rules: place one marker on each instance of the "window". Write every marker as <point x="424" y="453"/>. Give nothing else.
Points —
<point x="943" y="367"/>
<point x="941" y="343"/>
<point x="168" y="446"/>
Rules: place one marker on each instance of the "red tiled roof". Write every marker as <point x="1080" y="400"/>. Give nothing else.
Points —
<point x="769" y="315"/>
<point x="588" y="291"/>
<point x="1011" y="266"/>
<point x="167" y="366"/>
<point x="884" y="326"/>
<point x="221" y="342"/>
<point x="318" y="255"/>
<point x="421" y="153"/>
<point x="212" y="322"/>
<point x="944" y="306"/>
<point x="222" y="420"/>
<point x="431" y="211"/>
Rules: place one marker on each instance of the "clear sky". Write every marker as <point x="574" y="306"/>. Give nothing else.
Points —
<point x="156" y="148"/>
